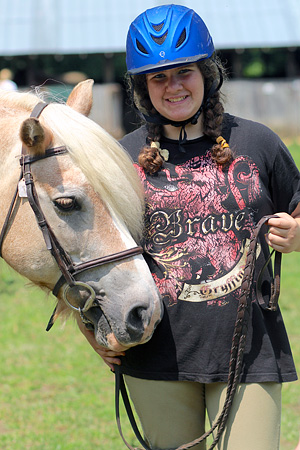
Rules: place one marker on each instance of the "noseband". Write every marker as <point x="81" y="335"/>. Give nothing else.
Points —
<point x="68" y="269"/>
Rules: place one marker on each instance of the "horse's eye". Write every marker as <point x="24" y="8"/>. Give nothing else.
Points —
<point x="67" y="204"/>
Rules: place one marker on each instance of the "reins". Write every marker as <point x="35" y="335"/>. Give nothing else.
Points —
<point x="237" y="347"/>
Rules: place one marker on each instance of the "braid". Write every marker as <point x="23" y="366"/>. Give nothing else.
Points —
<point x="213" y="119"/>
<point x="150" y="158"/>
<point x="213" y="113"/>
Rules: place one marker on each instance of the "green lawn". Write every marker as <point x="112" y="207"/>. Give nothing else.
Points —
<point x="56" y="394"/>
<point x="55" y="391"/>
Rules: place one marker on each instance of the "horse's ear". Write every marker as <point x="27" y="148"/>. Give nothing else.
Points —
<point x="34" y="136"/>
<point x="81" y="97"/>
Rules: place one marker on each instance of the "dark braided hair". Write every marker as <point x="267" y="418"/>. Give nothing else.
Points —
<point x="149" y="157"/>
<point x="213" y="111"/>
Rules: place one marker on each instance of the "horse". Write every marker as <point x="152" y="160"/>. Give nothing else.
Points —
<point x="75" y="221"/>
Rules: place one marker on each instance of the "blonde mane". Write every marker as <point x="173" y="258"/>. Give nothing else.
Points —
<point x="101" y="158"/>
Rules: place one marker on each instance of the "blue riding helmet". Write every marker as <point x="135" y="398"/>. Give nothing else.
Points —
<point x="164" y="37"/>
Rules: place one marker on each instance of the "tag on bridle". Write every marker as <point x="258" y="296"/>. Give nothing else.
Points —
<point x="22" y="188"/>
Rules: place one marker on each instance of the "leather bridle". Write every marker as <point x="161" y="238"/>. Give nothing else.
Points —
<point x="68" y="269"/>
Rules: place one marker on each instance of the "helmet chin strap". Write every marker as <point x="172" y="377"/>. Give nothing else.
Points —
<point x="161" y="120"/>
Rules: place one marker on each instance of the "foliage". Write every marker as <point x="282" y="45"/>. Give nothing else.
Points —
<point x="110" y="67"/>
<point x="38" y="69"/>
<point x="268" y="63"/>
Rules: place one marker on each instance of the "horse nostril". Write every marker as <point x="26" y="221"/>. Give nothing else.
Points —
<point x="136" y="321"/>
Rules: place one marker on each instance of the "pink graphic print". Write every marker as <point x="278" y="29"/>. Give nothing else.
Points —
<point x="192" y="235"/>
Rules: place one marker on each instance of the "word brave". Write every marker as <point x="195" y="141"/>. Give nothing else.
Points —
<point x="167" y="227"/>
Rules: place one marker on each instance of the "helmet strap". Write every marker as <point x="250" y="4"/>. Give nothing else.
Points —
<point x="182" y="139"/>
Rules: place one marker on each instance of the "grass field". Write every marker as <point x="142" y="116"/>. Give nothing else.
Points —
<point x="56" y="394"/>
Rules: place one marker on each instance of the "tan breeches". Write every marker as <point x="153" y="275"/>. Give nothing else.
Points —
<point x="172" y="413"/>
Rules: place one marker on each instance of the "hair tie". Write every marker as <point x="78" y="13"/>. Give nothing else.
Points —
<point x="220" y="140"/>
<point x="164" y="153"/>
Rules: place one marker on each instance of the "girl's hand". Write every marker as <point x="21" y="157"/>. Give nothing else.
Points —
<point x="108" y="356"/>
<point x="284" y="233"/>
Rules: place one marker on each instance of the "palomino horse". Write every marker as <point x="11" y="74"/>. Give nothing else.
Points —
<point x="79" y="196"/>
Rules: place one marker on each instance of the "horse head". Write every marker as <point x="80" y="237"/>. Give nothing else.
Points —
<point x="86" y="204"/>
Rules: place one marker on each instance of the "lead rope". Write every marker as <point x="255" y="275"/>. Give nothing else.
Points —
<point x="236" y="356"/>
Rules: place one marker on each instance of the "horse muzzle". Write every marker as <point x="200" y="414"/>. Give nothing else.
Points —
<point x="114" y="326"/>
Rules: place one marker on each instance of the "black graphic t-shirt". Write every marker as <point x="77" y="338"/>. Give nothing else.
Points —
<point x="199" y="219"/>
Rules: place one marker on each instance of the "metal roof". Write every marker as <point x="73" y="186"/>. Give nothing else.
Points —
<point x="100" y="26"/>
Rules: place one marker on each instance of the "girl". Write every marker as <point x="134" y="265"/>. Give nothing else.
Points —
<point x="208" y="177"/>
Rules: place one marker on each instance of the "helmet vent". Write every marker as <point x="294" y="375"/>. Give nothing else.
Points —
<point x="158" y="27"/>
<point x="160" y="40"/>
<point x="181" y="39"/>
<point x="141" y="48"/>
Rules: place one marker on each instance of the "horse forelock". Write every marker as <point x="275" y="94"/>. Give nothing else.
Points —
<point x="105" y="164"/>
